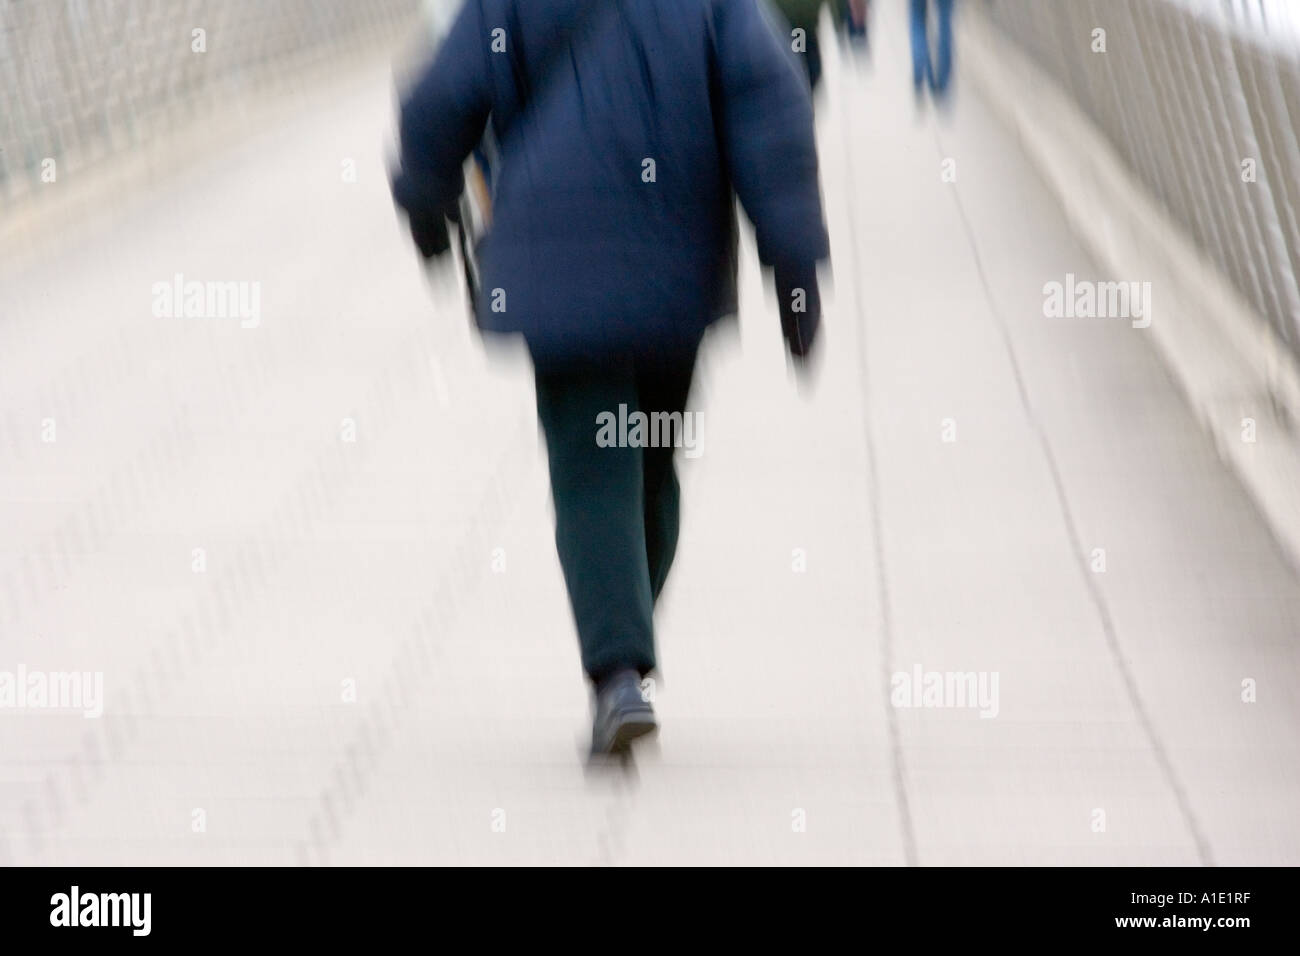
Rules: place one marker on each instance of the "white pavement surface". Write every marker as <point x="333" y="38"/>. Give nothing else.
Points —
<point x="414" y="563"/>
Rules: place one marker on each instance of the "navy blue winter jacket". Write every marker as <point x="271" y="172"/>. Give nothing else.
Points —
<point x="593" y="250"/>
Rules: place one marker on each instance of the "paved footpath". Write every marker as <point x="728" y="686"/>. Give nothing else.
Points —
<point x="313" y="559"/>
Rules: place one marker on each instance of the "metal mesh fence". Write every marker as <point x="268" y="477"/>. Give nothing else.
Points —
<point x="82" y="78"/>
<point x="1200" y="98"/>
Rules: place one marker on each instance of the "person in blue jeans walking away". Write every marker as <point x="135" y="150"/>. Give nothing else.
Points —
<point x="927" y="68"/>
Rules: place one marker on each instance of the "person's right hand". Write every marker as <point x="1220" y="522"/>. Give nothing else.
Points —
<point x="429" y="230"/>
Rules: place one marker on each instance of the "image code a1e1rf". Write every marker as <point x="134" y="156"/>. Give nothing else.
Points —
<point x="1194" y="898"/>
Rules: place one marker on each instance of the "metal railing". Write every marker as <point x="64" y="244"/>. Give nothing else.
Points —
<point x="1201" y="99"/>
<point x="83" y="78"/>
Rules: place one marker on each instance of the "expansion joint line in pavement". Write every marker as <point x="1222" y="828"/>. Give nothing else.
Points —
<point x="1134" y="693"/>
<point x="897" y="765"/>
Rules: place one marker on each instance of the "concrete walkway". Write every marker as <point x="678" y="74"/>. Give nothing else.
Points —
<point x="313" y="559"/>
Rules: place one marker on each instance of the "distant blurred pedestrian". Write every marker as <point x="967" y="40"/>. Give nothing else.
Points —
<point x="804" y="16"/>
<point x="935" y="69"/>
<point x="852" y="20"/>
<point x="625" y="131"/>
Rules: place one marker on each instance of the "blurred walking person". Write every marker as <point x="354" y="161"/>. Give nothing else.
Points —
<point x="805" y="16"/>
<point x="852" y="20"/>
<point x="934" y="69"/>
<point x="625" y="130"/>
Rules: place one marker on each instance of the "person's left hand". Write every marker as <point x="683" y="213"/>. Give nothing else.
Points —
<point x="799" y="302"/>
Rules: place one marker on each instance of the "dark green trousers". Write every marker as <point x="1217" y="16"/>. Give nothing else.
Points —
<point x="616" y="508"/>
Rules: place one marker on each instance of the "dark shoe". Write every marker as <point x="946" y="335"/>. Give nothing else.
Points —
<point x="621" y="714"/>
